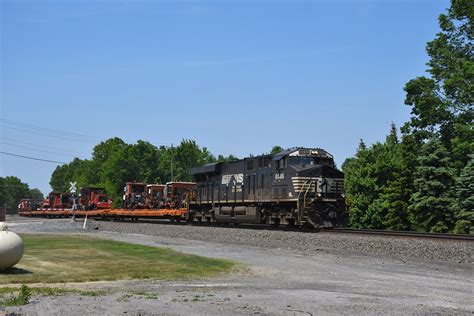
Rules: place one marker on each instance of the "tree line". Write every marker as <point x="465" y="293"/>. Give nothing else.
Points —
<point x="115" y="162"/>
<point x="12" y="190"/>
<point x="423" y="179"/>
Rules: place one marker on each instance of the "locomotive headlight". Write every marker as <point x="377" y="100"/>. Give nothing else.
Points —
<point x="319" y="194"/>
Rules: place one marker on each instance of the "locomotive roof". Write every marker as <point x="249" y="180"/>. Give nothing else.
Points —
<point x="209" y="168"/>
<point x="215" y="167"/>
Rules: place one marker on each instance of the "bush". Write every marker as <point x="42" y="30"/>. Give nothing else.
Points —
<point x="462" y="227"/>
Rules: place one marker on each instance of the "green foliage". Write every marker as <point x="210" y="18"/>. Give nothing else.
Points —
<point x="367" y="180"/>
<point x="22" y="298"/>
<point x="276" y="149"/>
<point x="398" y="191"/>
<point x="463" y="227"/>
<point x="47" y="291"/>
<point x="430" y="208"/>
<point x="425" y="182"/>
<point x="12" y="190"/>
<point x="36" y="194"/>
<point x="463" y="206"/>
<point x="446" y="98"/>
<point x="443" y="104"/>
<point x="63" y="174"/>
<point x="229" y="158"/>
<point x="115" y="162"/>
<point x="187" y="155"/>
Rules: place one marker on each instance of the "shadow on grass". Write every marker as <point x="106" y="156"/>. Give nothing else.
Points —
<point x="17" y="271"/>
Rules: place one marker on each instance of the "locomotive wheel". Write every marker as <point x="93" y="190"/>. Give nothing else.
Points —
<point x="276" y="222"/>
<point x="314" y="218"/>
<point x="329" y="213"/>
<point x="291" y="223"/>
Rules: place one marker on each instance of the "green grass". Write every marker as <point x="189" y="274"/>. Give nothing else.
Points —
<point x="47" y="291"/>
<point x="22" y="298"/>
<point x="60" y="259"/>
<point x="16" y="296"/>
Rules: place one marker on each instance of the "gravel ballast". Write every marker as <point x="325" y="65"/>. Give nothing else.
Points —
<point x="403" y="248"/>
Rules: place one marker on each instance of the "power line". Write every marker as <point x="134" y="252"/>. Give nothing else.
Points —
<point x="43" y="146"/>
<point x="40" y="150"/>
<point x="28" y="128"/>
<point x="49" y="130"/>
<point x="50" y="135"/>
<point x="33" y="158"/>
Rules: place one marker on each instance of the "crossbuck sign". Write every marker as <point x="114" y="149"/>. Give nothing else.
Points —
<point x="72" y="188"/>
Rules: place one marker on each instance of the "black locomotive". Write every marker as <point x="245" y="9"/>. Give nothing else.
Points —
<point x="296" y="187"/>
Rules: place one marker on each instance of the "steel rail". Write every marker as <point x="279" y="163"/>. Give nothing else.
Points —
<point x="398" y="233"/>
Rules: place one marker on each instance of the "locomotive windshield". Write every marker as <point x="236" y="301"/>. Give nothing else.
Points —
<point x="298" y="161"/>
<point x="305" y="161"/>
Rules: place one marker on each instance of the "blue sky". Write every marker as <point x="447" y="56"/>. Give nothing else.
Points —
<point x="236" y="76"/>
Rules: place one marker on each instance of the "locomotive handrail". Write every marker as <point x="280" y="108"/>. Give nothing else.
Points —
<point x="306" y="192"/>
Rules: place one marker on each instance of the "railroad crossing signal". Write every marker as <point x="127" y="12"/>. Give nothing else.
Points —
<point x="72" y="188"/>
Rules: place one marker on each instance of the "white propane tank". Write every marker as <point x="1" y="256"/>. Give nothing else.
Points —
<point x="11" y="247"/>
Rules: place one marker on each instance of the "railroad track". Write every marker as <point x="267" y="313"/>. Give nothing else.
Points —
<point x="399" y="233"/>
<point x="331" y="230"/>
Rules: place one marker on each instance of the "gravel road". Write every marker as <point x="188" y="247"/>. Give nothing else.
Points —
<point x="286" y="273"/>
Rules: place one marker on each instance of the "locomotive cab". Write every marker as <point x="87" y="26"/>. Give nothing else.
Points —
<point x="316" y="183"/>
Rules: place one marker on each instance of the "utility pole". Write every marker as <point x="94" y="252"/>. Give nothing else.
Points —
<point x="171" y="162"/>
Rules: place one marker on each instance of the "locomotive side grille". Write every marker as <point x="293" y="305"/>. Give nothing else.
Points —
<point x="298" y="183"/>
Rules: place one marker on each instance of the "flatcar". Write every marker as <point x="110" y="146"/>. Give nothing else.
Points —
<point x="296" y="187"/>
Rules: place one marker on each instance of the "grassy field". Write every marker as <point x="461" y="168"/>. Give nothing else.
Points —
<point x="59" y="259"/>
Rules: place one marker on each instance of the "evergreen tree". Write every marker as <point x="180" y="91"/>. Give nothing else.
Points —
<point x="367" y="176"/>
<point x="464" y="205"/>
<point x="357" y="181"/>
<point x="362" y="146"/>
<point x="400" y="188"/>
<point x="430" y="208"/>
